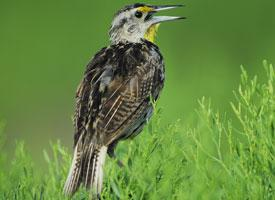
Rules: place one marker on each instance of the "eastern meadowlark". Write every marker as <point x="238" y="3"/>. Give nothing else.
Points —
<point x="113" y="101"/>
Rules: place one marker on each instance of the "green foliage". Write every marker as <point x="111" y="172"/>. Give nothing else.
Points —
<point x="215" y="158"/>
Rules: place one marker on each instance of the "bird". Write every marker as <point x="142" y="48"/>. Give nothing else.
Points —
<point x="114" y="100"/>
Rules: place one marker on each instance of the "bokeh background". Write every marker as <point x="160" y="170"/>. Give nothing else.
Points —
<point x="45" y="45"/>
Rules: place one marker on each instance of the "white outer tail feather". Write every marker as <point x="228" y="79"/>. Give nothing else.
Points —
<point x="96" y="179"/>
<point x="74" y="173"/>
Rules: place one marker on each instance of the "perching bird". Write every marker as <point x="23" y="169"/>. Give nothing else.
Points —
<point x="113" y="101"/>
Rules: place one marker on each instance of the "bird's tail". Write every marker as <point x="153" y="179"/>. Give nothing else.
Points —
<point x="86" y="169"/>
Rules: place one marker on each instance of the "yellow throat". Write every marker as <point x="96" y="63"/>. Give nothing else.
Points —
<point x="151" y="33"/>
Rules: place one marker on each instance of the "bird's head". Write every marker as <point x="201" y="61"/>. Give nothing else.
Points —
<point x="138" y="21"/>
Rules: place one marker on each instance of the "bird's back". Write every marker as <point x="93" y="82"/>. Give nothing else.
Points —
<point x="116" y="88"/>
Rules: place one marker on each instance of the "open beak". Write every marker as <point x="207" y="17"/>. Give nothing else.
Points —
<point x="159" y="19"/>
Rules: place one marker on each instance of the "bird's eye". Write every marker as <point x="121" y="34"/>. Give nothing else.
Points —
<point x="138" y="14"/>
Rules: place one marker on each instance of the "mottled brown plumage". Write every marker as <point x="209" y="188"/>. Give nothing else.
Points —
<point x="113" y="101"/>
<point x="116" y="90"/>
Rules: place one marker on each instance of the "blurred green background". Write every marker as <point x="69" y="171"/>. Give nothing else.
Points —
<point x="45" y="45"/>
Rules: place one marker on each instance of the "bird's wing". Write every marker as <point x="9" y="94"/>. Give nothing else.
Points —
<point x="112" y="96"/>
<point x="126" y="100"/>
<point x="88" y="96"/>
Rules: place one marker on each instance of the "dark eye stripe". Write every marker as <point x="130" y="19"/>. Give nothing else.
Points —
<point x="149" y="16"/>
<point x="138" y="14"/>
